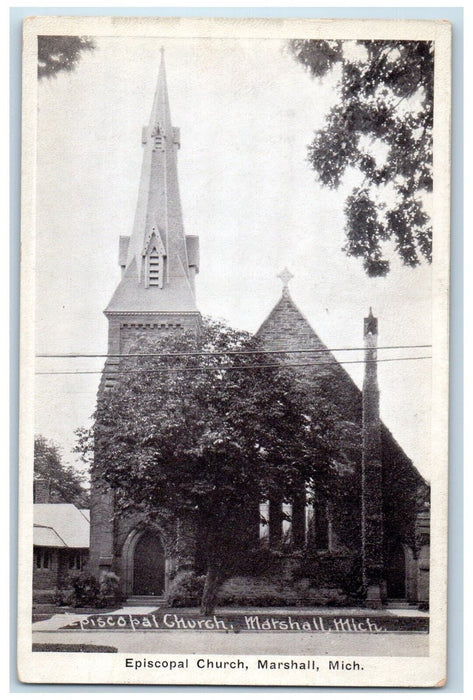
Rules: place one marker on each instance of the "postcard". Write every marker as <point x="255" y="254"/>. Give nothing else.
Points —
<point x="234" y="351"/>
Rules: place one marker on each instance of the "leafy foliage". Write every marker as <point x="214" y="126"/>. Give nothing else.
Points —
<point x="60" y="53"/>
<point x="381" y="127"/>
<point x="66" y="483"/>
<point x="278" y="594"/>
<point x="185" y="590"/>
<point x="84" y="590"/>
<point x="209" y="437"/>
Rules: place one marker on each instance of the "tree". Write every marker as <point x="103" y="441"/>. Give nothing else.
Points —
<point x="208" y="437"/>
<point x="381" y="126"/>
<point x="66" y="483"/>
<point x="57" y="53"/>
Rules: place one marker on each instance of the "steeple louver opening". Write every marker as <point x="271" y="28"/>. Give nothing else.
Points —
<point x="158" y="137"/>
<point x="153" y="258"/>
<point x="154" y="268"/>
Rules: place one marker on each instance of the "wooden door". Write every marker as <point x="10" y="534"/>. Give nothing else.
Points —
<point x="149" y="565"/>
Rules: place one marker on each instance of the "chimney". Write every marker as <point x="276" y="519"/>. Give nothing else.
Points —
<point x="41" y="490"/>
<point x="372" y="481"/>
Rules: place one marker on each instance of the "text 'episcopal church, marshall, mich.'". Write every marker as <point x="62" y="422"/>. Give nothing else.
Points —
<point x="380" y="533"/>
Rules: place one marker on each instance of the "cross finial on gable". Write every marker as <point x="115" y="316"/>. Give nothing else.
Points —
<point x="285" y="276"/>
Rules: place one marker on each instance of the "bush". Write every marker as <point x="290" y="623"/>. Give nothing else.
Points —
<point x="185" y="590"/>
<point x="86" y="590"/>
<point x="65" y="596"/>
<point x="110" y="592"/>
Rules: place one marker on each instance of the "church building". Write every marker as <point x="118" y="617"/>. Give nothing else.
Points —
<point x="380" y="536"/>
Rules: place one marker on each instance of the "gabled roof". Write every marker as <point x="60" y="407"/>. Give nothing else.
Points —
<point x="61" y="525"/>
<point x="278" y="329"/>
<point x="286" y="328"/>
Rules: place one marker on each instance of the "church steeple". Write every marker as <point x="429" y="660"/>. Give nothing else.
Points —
<point x="158" y="261"/>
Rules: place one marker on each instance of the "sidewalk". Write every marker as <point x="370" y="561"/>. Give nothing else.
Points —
<point x="61" y="620"/>
<point x="293" y="631"/>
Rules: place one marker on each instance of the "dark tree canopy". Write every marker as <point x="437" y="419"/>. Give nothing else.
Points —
<point x="381" y="126"/>
<point x="212" y="436"/>
<point x="57" y="53"/>
<point x="66" y="483"/>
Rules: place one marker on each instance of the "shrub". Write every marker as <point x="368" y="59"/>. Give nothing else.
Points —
<point x="110" y="592"/>
<point x="185" y="590"/>
<point x="65" y="596"/>
<point x="86" y="589"/>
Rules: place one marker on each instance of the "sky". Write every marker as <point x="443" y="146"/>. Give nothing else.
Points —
<point x="247" y="112"/>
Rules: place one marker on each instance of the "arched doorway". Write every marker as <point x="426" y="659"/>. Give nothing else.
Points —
<point x="149" y="565"/>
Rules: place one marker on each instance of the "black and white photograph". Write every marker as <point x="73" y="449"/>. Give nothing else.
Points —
<point x="234" y="371"/>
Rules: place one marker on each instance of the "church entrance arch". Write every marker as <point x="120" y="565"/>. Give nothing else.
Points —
<point x="144" y="560"/>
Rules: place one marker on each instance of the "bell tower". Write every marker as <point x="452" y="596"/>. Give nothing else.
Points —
<point x="156" y="292"/>
<point x="159" y="262"/>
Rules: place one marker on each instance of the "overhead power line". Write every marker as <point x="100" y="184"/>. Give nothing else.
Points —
<point x="247" y="368"/>
<point x="225" y="352"/>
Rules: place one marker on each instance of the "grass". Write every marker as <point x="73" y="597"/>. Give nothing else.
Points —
<point x="75" y="648"/>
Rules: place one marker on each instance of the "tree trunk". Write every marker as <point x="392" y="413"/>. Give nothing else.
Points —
<point x="209" y="595"/>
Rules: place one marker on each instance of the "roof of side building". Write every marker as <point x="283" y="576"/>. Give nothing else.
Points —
<point x="61" y="525"/>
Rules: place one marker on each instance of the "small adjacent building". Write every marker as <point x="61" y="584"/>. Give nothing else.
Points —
<point x="61" y="538"/>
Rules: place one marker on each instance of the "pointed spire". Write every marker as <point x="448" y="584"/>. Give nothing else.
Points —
<point x="158" y="241"/>
<point x="161" y="112"/>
